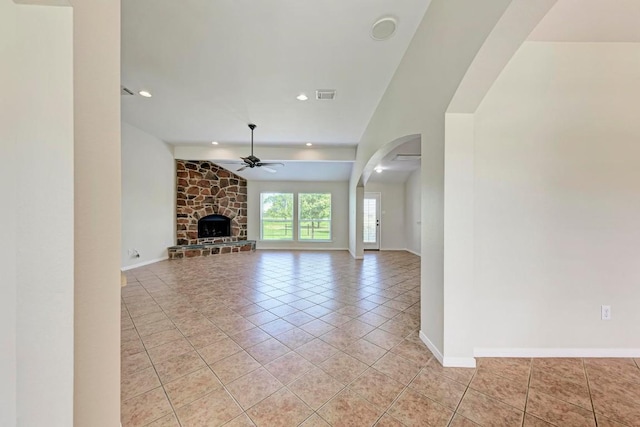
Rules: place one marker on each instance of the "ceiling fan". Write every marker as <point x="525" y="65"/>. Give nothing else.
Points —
<point x="252" y="161"/>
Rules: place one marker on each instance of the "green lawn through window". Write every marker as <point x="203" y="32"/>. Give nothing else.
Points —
<point x="277" y="229"/>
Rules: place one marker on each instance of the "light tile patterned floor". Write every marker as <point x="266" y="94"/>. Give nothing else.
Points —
<point x="316" y="338"/>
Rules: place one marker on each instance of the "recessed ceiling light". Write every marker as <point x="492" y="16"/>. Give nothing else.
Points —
<point x="145" y="93"/>
<point x="384" y="28"/>
<point x="379" y="169"/>
<point x="214" y="142"/>
<point x="309" y="144"/>
<point x="302" y="97"/>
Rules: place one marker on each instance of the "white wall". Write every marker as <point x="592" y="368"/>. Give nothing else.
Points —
<point x="96" y="88"/>
<point x="37" y="354"/>
<point x="392" y="206"/>
<point x="444" y="45"/>
<point x="8" y="215"/>
<point x="412" y="212"/>
<point x="557" y="203"/>
<point x="148" y="196"/>
<point x="339" y="212"/>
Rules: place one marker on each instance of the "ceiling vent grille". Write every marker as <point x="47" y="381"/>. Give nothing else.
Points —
<point x="406" y="157"/>
<point x="125" y="92"/>
<point x="325" y="94"/>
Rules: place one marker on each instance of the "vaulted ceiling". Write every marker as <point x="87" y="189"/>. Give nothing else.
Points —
<point x="213" y="66"/>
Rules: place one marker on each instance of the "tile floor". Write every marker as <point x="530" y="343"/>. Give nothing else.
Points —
<point x="318" y="339"/>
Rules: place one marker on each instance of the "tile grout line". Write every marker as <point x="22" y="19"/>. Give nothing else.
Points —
<point x="526" y="398"/>
<point x="153" y="364"/>
<point x="455" y="411"/>
<point x="593" y="407"/>
<point x="175" y="414"/>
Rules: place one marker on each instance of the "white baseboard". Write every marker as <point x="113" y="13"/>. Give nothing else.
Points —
<point x="459" y="362"/>
<point x="354" y="256"/>
<point x="413" y="252"/>
<point x="447" y="362"/>
<point x="556" y="352"/>
<point x="432" y="347"/>
<point x="142" y="264"/>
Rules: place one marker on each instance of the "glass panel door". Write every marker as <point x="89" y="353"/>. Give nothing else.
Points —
<point x="371" y="232"/>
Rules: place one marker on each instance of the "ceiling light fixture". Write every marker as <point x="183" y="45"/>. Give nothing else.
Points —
<point x="379" y="169"/>
<point x="309" y="144"/>
<point x="145" y="93"/>
<point x="302" y="97"/>
<point x="214" y="142"/>
<point x="384" y="28"/>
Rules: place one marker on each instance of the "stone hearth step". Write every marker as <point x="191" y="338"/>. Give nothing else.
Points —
<point x="205" y="249"/>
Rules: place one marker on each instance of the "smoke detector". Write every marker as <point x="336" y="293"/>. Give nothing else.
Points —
<point x="384" y="28"/>
<point x="325" y="94"/>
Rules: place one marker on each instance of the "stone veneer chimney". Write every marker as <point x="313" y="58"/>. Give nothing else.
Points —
<point x="204" y="188"/>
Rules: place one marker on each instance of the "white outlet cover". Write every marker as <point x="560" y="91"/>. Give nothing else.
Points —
<point x="605" y="312"/>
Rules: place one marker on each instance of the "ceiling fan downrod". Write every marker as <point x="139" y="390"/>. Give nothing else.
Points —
<point x="252" y="127"/>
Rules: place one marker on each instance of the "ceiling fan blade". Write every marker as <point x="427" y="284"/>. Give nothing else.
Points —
<point x="241" y="169"/>
<point x="271" y="164"/>
<point x="228" y="163"/>
<point x="268" y="169"/>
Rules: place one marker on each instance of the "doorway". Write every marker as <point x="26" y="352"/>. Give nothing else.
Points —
<point x="371" y="229"/>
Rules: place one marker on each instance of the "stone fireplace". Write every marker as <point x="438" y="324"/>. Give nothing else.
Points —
<point x="211" y="210"/>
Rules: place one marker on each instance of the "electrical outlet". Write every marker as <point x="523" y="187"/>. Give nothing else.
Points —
<point x="605" y="311"/>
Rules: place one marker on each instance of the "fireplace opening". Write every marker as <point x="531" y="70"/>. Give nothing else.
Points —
<point x="214" y="226"/>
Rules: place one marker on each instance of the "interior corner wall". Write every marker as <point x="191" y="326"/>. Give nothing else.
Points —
<point x="339" y="212"/>
<point x="412" y="212"/>
<point x="96" y="88"/>
<point x="556" y="202"/>
<point x="36" y="80"/>
<point x="9" y="131"/>
<point x="443" y="47"/>
<point x="392" y="205"/>
<point x="148" y="197"/>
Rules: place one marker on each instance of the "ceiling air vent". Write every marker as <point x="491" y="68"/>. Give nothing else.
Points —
<point x="125" y="92"/>
<point x="325" y="94"/>
<point x="406" y="157"/>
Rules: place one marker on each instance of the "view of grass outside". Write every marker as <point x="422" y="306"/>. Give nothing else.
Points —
<point x="315" y="230"/>
<point x="277" y="216"/>
<point x="275" y="229"/>
<point x="314" y="216"/>
<point x="314" y="213"/>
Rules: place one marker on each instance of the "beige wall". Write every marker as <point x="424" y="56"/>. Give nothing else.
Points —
<point x="97" y="212"/>
<point x="148" y="197"/>
<point x="8" y="215"/>
<point x="444" y="45"/>
<point x="412" y="212"/>
<point x="556" y="202"/>
<point x="37" y="286"/>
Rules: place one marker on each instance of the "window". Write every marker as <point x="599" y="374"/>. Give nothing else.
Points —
<point x="276" y="214"/>
<point x="314" y="216"/>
